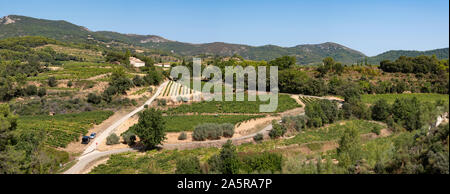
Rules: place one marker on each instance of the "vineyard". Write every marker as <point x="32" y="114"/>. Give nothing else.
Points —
<point x="285" y="102"/>
<point x="188" y="122"/>
<point x="62" y="129"/>
<point x="307" y="100"/>
<point x="75" y="70"/>
<point x="174" y="89"/>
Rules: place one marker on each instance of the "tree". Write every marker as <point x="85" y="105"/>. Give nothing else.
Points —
<point x="52" y="82"/>
<point x="229" y="158"/>
<point x="150" y="128"/>
<point x="349" y="151"/>
<point x="381" y="110"/>
<point x="120" y="81"/>
<point x="284" y="62"/>
<point x="8" y="123"/>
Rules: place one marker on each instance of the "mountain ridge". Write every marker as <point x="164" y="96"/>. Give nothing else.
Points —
<point x="16" y="25"/>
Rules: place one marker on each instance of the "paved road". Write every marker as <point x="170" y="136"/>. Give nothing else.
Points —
<point x="114" y="126"/>
<point x="91" y="153"/>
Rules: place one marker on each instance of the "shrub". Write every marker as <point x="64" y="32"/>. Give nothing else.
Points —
<point x="162" y="102"/>
<point x="182" y="136"/>
<point x="52" y="82"/>
<point x="200" y="134"/>
<point x="258" y="137"/>
<point x="214" y="164"/>
<point x="229" y="159"/>
<point x="380" y="111"/>
<point x="129" y="138"/>
<point x="94" y="99"/>
<point x="214" y="133"/>
<point x="227" y="129"/>
<point x="265" y="162"/>
<point x="42" y="92"/>
<point x="188" y="165"/>
<point x="112" y="139"/>
<point x="31" y="90"/>
<point x="277" y="130"/>
<point x="138" y="81"/>
<point x="69" y="84"/>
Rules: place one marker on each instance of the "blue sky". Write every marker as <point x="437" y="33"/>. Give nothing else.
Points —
<point x="370" y="26"/>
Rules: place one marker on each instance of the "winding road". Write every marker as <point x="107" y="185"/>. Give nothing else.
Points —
<point x="91" y="153"/>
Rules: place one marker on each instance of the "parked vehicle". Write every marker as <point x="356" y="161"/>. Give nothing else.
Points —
<point x="93" y="135"/>
<point x="85" y="140"/>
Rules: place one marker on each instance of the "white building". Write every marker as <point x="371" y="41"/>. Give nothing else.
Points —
<point x="136" y="62"/>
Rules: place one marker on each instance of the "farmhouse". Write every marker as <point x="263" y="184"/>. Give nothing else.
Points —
<point x="136" y="62"/>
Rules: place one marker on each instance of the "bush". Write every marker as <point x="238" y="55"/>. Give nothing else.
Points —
<point x="162" y="102"/>
<point x="94" y="99"/>
<point x="112" y="139"/>
<point x="277" y="130"/>
<point x="52" y="82"/>
<point x="261" y="163"/>
<point x="42" y="92"/>
<point x="380" y="111"/>
<point x="182" y="136"/>
<point x="138" y="81"/>
<point x="227" y="129"/>
<point x="229" y="159"/>
<point x="69" y="84"/>
<point x="200" y="134"/>
<point x="212" y="131"/>
<point x="258" y="137"/>
<point x="31" y="90"/>
<point x="129" y="138"/>
<point x="188" y="165"/>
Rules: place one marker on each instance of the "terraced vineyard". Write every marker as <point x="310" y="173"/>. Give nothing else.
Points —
<point x="188" y="122"/>
<point x="174" y="89"/>
<point x="285" y="102"/>
<point x="307" y="100"/>
<point x="62" y="129"/>
<point x="75" y="70"/>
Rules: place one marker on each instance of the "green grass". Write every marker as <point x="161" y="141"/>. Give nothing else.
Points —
<point x="188" y="123"/>
<point x="62" y="129"/>
<point x="76" y="70"/>
<point x="390" y="98"/>
<point x="285" y="102"/>
<point x="333" y="132"/>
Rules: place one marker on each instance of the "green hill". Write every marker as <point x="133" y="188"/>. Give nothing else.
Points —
<point x="13" y="26"/>
<point x="393" y="55"/>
